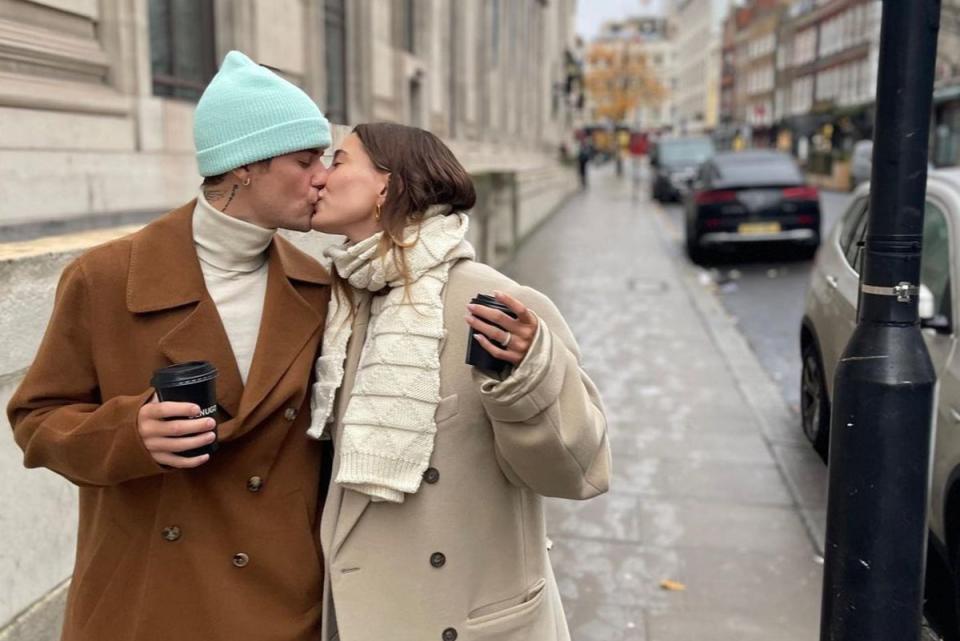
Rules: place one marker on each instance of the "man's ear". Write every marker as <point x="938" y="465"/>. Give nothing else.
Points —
<point x="242" y="173"/>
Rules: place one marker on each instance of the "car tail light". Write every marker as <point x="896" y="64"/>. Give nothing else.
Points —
<point x="712" y="197"/>
<point x="806" y="219"/>
<point x="800" y="193"/>
<point x="712" y="223"/>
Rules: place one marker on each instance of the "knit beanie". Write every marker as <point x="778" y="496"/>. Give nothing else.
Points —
<point x="248" y="113"/>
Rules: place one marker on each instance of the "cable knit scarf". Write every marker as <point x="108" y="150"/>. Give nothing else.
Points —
<point x="388" y="426"/>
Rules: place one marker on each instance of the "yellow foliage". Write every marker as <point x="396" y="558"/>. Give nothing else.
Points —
<point x="618" y="81"/>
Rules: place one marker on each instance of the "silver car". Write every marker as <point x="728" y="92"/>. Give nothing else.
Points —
<point x="830" y="318"/>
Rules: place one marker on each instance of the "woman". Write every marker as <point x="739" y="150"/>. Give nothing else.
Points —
<point x="433" y="527"/>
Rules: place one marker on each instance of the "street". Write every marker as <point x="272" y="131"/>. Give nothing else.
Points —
<point x="764" y="291"/>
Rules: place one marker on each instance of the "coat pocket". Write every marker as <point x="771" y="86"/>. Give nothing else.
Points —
<point x="447" y="408"/>
<point x="509" y="614"/>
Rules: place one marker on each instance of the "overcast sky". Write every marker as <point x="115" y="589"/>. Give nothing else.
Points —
<point x="591" y="14"/>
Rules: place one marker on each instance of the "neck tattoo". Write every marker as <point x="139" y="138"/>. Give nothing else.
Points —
<point x="233" y="192"/>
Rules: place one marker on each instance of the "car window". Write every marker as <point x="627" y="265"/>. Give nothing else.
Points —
<point x="688" y="151"/>
<point x="854" y="225"/>
<point x="935" y="262"/>
<point x="763" y="170"/>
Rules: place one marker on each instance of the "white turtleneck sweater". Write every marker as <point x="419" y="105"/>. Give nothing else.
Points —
<point x="233" y="258"/>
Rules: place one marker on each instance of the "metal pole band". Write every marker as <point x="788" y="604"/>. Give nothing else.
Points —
<point x="903" y="291"/>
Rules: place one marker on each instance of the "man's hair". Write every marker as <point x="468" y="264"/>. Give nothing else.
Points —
<point x="210" y="181"/>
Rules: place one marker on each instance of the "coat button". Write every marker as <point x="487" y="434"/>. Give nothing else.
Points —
<point x="431" y="475"/>
<point x="290" y="414"/>
<point x="254" y="483"/>
<point x="437" y="559"/>
<point x="171" y="533"/>
<point x="240" y="560"/>
<point x="450" y="634"/>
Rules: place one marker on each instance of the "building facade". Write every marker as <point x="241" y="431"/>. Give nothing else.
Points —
<point x="698" y="33"/>
<point x="96" y="96"/>
<point x="827" y="77"/>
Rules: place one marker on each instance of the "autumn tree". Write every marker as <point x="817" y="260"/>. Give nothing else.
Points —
<point x="619" y="80"/>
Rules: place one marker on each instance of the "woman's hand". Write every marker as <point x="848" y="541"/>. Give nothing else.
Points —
<point x="517" y="334"/>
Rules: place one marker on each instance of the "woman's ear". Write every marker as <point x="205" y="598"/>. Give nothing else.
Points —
<point x="385" y="187"/>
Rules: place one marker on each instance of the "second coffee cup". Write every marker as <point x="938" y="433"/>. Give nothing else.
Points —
<point x="193" y="382"/>
<point x="476" y="354"/>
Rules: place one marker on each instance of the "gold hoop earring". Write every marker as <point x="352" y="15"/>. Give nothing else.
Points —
<point x="377" y="215"/>
<point x="246" y="181"/>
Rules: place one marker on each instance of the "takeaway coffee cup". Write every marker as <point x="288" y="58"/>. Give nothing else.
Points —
<point x="476" y="354"/>
<point x="193" y="382"/>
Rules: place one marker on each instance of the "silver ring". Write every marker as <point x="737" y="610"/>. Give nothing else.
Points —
<point x="506" y="343"/>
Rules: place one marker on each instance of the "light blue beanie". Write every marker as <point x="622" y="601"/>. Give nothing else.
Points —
<point x="248" y="113"/>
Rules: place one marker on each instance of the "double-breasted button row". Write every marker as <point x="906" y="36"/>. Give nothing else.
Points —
<point x="290" y="414"/>
<point x="171" y="533"/>
<point x="240" y="560"/>
<point x="431" y="475"/>
<point x="254" y="483"/>
<point x="450" y="634"/>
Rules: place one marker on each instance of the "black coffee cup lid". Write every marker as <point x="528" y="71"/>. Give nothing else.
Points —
<point x="486" y="300"/>
<point x="184" y="374"/>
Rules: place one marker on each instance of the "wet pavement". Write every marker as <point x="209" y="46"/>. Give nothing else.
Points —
<point x="710" y="529"/>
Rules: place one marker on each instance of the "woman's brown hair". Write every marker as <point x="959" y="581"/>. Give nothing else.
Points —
<point x="423" y="172"/>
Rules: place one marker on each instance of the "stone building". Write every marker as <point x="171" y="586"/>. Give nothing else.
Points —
<point x="96" y="105"/>
<point x="96" y="96"/>
<point x="698" y="36"/>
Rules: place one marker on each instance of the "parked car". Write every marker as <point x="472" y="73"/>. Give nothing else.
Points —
<point x="675" y="162"/>
<point x="751" y="197"/>
<point x="861" y="160"/>
<point x="829" y="320"/>
<point x="861" y="163"/>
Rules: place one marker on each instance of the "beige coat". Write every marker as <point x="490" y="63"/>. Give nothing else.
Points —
<point x="227" y="551"/>
<point x="465" y="558"/>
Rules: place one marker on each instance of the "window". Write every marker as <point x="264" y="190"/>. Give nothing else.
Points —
<point x="495" y="31"/>
<point x="935" y="262"/>
<point x="335" y="44"/>
<point x="854" y="226"/>
<point x="182" y="53"/>
<point x="410" y="26"/>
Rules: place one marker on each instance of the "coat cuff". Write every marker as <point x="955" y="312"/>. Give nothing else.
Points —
<point x="532" y="386"/>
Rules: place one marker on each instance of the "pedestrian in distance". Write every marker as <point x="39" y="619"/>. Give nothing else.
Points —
<point x="213" y="547"/>
<point x="584" y="155"/>
<point x="433" y="526"/>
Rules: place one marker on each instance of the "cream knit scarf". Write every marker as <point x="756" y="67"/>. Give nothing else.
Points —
<point x="388" y="426"/>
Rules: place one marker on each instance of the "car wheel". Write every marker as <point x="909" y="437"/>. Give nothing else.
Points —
<point x="807" y="252"/>
<point x="814" y="403"/>
<point x="695" y="252"/>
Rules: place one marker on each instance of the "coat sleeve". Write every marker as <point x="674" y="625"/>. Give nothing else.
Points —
<point x="58" y="418"/>
<point x="548" y="421"/>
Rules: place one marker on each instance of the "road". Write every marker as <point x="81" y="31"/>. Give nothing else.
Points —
<point x="764" y="290"/>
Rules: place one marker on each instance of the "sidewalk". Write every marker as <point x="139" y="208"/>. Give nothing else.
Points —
<point x="714" y="487"/>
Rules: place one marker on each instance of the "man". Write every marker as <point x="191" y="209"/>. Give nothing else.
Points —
<point x="217" y="546"/>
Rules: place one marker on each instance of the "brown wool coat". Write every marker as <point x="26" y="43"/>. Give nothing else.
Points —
<point x="465" y="557"/>
<point x="206" y="554"/>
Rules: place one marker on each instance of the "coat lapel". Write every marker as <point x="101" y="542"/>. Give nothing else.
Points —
<point x="164" y="275"/>
<point x="353" y="504"/>
<point x="288" y="323"/>
<point x="201" y="337"/>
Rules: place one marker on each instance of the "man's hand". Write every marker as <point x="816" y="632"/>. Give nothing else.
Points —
<point x="162" y="438"/>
